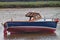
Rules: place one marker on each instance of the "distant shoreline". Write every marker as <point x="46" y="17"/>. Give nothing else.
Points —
<point x="30" y="4"/>
<point x="28" y="8"/>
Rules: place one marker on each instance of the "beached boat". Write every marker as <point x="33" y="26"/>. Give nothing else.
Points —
<point x="35" y="24"/>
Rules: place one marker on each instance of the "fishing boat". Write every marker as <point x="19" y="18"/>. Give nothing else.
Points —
<point x="34" y="24"/>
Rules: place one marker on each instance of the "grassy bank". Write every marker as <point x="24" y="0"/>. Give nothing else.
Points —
<point x="29" y="4"/>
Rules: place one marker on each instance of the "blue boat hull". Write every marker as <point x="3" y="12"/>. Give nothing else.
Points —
<point x="30" y="26"/>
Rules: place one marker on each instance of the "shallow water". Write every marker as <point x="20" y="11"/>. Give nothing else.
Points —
<point x="19" y="14"/>
<point x="35" y="36"/>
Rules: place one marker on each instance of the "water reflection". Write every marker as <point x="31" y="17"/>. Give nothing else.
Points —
<point x="32" y="36"/>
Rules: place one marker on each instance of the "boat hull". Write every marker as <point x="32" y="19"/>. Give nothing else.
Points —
<point x="19" y="30"/>
<point x="19" y="27"/>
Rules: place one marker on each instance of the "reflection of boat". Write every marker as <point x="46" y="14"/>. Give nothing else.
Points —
<point x="35" y="24"/>
<point x="32" y="36"/>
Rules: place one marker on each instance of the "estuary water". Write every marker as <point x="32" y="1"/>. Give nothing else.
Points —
<point x="19" y="14"/>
